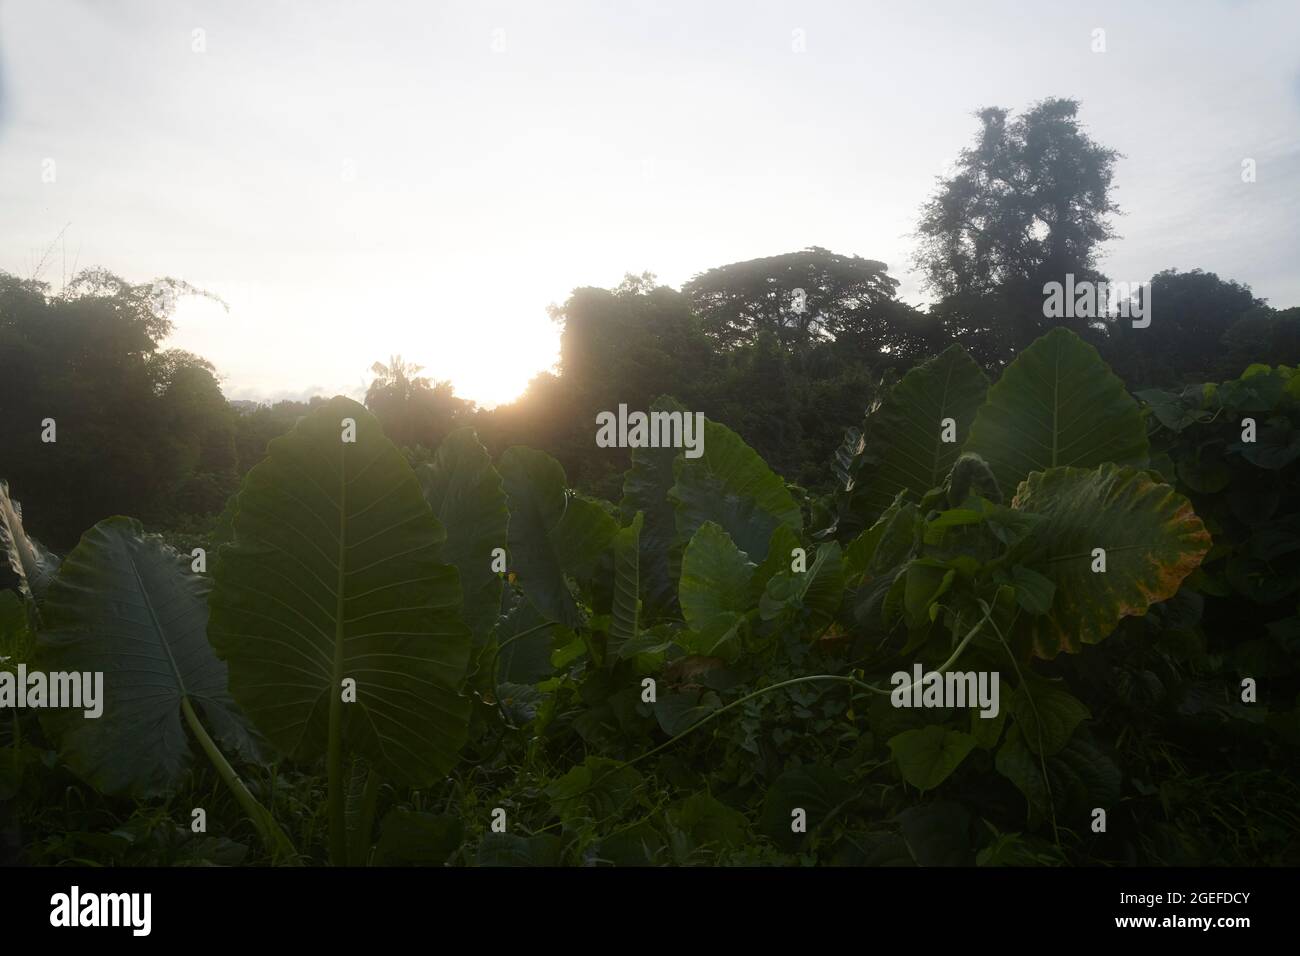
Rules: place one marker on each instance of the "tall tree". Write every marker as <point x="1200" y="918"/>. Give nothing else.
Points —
<point x="1028" y="204"/>
<point x="86" y="429"/>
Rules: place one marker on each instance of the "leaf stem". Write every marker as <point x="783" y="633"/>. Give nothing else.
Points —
<point x="273" y="837"/>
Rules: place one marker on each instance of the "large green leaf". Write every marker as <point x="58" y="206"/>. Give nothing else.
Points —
<point x="732" y="486"/>
<point x="525" y="639"/>
<point x="465" y="493"/>
<point x="552" y="532"/>
<point x="1057" y="404"/>
<point x="334" y="575"/>
<point x="625" y="610"/>
<point x="903" y="442"/>
<point x="714" y="591"/>
<point x="645" y="489"/>
<point x="815" y="593"/>
<point x="128" y="606"/>
<point x="1150" y="535"/>
<point x="33" y="564"/>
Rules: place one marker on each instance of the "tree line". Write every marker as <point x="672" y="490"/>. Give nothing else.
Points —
<point x="787" y="350"/>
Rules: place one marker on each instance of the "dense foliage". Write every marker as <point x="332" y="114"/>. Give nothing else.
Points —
<point x="414" y="631"/>
<point x="767" y="634"/>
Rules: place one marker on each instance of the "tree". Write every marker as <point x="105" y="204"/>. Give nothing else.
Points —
<point x="800" y="297"/>
<point x="1190" y="314"/>
<point x="1270" y="336"/>
<point x="413" y="410"/>
<point x="87" y="359"/>
<point x="1027" y="205"/>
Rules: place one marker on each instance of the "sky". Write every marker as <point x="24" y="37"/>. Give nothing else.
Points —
<point x="359" y="180"/>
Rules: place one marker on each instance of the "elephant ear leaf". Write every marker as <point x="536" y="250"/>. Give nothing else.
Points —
<point x="334" y="577"/>
<point x="905" y="440"/>
<point x="553" y="533"/>
<point x="465" y="493"/>
<point x="33" y="564"/>
<point x="126" y="605"/>
<point x="1057" y="404"/>
<point x="714" y="590"/>
<point x="730" y="485"/>
<point x="625" y="611"/>
<point x="1113" y="541"/>
<point x="645" y="489"/>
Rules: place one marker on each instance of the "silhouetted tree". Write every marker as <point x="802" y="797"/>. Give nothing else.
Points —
<point x="1027" y="204"/>
<point x="413" y="410"/>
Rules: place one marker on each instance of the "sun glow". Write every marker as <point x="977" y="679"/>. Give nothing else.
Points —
<point x="488" y="361"/>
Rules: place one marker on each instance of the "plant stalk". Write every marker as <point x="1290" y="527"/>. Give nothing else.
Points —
<point x="273" y="837"/>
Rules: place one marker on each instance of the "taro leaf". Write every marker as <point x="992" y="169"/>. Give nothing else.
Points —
<point x="905" y="435"/>
<point x="127" y="605"/>
<point x="408" y="838"/>
<point x="334" y="575"/>
<point x="553" y="532"/>
<point x="733" y="487"/>
<point x="817" y="591"/>
<point x="938" y="834"/>
<point x="525" y="644"/>
<point x="624" y="614"/>
<point x="899" y="527"/>
<point x="1047" y="714"/>
<point x="780" y="552"/>
<point x="818" y="790"/>
<point x="1057" y="404"/>
<point x="714" y="590"/>
<point x="465" y="493"/>
<point x="927" y="757"/>
<point x="33" y="564"/>
<point x="1151" y="537"/>
<point x="645" y="488"/>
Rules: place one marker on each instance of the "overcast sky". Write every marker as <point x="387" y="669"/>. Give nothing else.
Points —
<point x="362" y="179"/>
